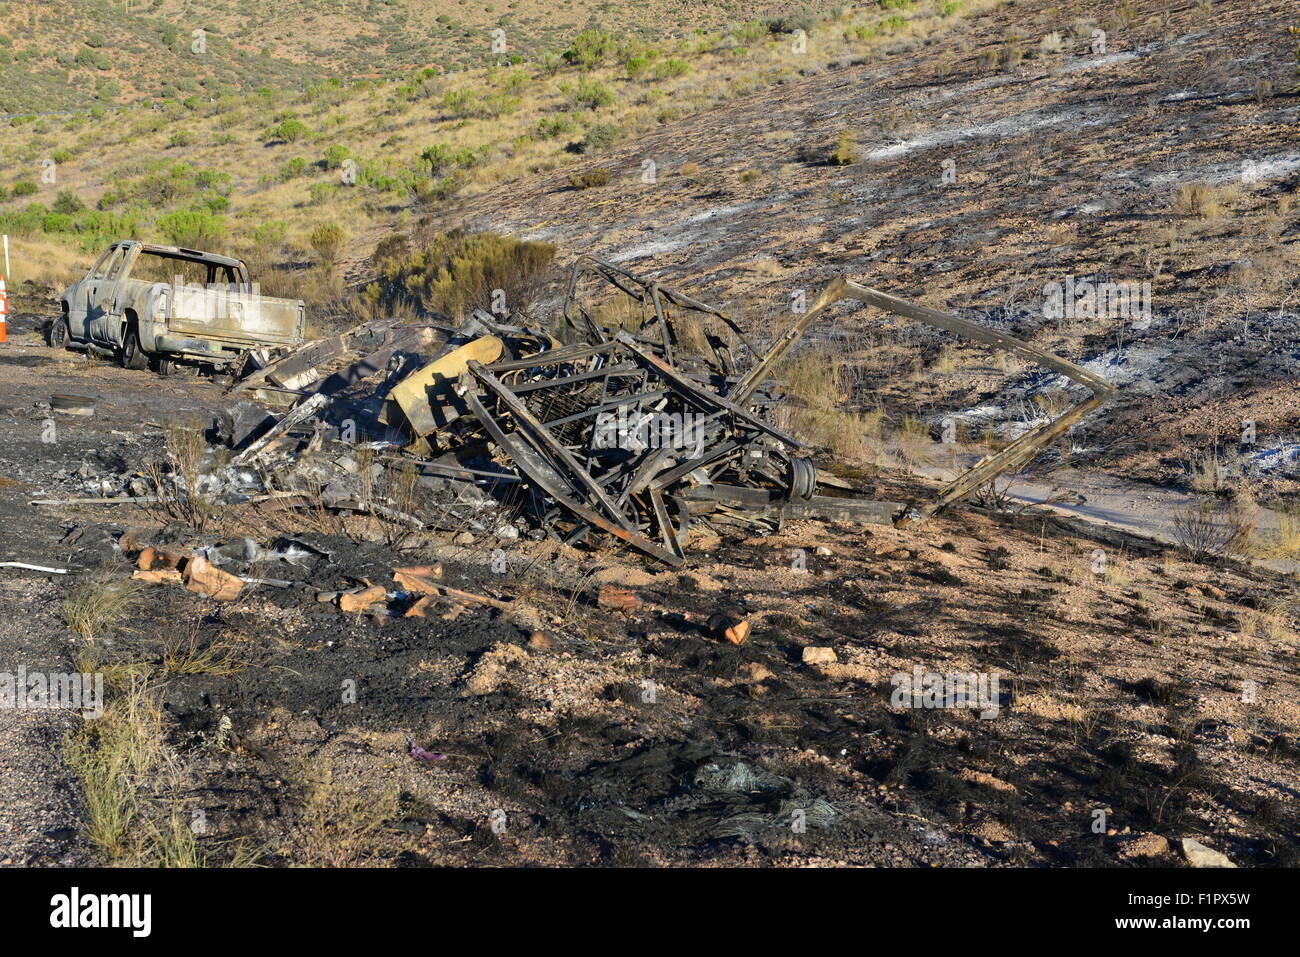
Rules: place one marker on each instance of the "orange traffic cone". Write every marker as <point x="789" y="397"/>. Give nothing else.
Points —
<point x="4" y="307"/>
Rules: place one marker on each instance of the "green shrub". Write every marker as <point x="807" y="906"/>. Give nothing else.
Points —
<point x="459" y="269"/>
<point x="336" y="155"/>
<point x="67" y="202"/>
<point x="87" y="58"/>
<point x="601" y="136"/>
<point x="327" y="239"/>
<point x="551" y="127"/>
<point x="271" y="233"/>
<point x="460" y="103"/>
<point x="291" y="130"/>
<point x="791" y="22"/>
<point x="321" y="193"/>
<point x="180" y="138"/>
<point x="667" y="69"/>
<point x="192" y="228"/>
<point x="24" y="187"/>
<point x="590" y="48"/>
<point x="442" y="157"/>
<point x="293" y="169"/>
<point x="591" y="94"/>
<point x="636" y="66"/>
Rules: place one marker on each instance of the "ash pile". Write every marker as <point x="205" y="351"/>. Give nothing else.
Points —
<point x="642" y="430"/>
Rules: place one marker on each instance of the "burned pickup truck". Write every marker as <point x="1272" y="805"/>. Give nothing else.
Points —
<point x="154" y="306"/>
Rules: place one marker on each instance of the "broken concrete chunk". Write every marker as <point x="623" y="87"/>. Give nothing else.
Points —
<point x="200" y="576"/>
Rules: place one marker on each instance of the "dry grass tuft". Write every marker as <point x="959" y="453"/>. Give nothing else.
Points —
<point x="96" y="605"/>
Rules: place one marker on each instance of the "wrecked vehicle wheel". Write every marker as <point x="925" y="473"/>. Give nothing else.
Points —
<point x="59" y="333"/>
<point x="162" y="366"/>
<point x="133" y="356"/>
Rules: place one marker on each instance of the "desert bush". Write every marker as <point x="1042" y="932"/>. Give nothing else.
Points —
<point x="591" y="94"/>
<point x="67" y="202"/>
<point x="335" y="156"/>
<point x="552" y="127"/>
<point x="590" y="48"/>
<point x="1209" y="532"/>
<point x="442" y="157"/>
<point x="845" y="152"/>
<point x="192" y="228"/>
<point x="457" y="269"/>
<point x="100" y="601"/>
<point x="599" y="137"/>
<point x="598" y="176"/>
<point x="673" y="67"/>
<point x="1203" y="200"/>
<point x="327" y="240"/>
<point x="290" y="130"/>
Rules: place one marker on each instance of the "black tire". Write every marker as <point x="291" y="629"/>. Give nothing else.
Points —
<point x="133" y="356"/>
<point x="59" y="332"/>
<point x="163" y="366"/>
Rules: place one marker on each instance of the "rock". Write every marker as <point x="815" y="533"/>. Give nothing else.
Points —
<point x="1198" y="855"/>
<point x="464" y="538"/>
<point x="540" y="641"/>
<point x="823" y="551"/>
<point x="507" y="532"/>
<point x="1143" y="846"/>
<point x="729" y="628"/>
<point x="617" y="599"/>
<point x="819" y="656"/>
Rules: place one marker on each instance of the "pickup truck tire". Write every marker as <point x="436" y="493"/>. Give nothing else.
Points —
<point x="133" y="356"/>
<point x="162" y="365"/>
<point x="59" y="332"/>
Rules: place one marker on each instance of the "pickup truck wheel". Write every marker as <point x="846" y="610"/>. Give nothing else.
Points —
<point x="59" y="332"/>
<point x="133" y="356"/>
<point x="163" y="366"/>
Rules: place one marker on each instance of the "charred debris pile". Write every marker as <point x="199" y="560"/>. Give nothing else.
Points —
<point x="641" y="430"/>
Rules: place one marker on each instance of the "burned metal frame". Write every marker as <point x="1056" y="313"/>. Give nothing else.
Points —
<point x="632" y="432"/>
<point x="1015" y="455"/>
